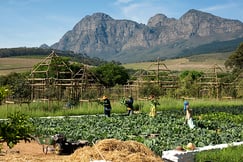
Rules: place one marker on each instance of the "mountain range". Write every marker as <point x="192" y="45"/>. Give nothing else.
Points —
<point x="99" y="35"/>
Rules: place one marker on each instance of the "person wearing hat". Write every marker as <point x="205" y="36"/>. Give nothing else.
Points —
<point x="186" y="105"/>
<point x="129" y="104"/>
<point x="188" y="117"/>
<point x="107" y="106"/>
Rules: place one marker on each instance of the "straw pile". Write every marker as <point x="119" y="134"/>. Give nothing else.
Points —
<point x="115" y="151"/>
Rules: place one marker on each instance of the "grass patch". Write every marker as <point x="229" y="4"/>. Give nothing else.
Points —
<point x="55" y="108"/>
<point x="232" y="154"/>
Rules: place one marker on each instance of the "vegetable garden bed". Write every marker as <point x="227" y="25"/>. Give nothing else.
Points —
<point x="213" y="126"/>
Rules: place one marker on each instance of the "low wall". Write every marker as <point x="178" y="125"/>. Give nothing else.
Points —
<point x="188" y="156"/>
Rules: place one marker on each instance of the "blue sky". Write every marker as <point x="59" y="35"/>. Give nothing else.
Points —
<point x="30" y="23"/>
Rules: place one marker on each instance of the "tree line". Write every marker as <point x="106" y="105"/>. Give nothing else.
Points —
<point x="34" y="51"/>
<point x="111" y="74"/>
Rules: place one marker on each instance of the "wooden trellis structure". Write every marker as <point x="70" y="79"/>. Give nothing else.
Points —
<point x="86" y="85"/>
<point x="47" y="80"/>
<point x="159" y="74"/>
<point x="209" y="83"/>
<point x="238" y="83"/>
<point x="53" y="79"/>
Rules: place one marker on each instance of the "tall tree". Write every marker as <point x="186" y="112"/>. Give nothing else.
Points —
<point x="111" y="74"/>
<point x="188" y="83"/>
<point x="235" y="60"/>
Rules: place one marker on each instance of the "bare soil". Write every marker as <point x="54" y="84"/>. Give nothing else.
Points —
<point x="31" y="152"/>
<point x="109" y="149"/>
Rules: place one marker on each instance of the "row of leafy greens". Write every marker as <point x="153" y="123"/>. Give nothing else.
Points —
<point x="164" y="132"/>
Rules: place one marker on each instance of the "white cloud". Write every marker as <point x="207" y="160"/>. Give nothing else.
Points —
<point x="123" y="1"/>
<point x="140" y="12"/>
<point x="228" y="10"/>
<point x="219" y="7"/>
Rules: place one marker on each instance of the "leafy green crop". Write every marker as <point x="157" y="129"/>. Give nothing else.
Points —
<point x="166" y="131"/>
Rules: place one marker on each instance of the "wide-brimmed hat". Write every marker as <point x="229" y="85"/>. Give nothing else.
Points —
<point x="105" y="97"/>
<point x="151" y="96"/>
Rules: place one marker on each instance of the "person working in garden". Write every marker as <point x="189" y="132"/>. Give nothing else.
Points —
<point x="129" y="104"/>
<point x="154" y="103"/>
<point x="107" y="106"/>
<point x="186" y="105"/>
<point x="188" y="117"/>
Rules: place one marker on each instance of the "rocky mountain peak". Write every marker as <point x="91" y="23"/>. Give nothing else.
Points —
<point x="99" y="16"/>
<point x="92" y="22"/>
<point x="160" y="20"/>
<point x="204" y="24"/>
<point x="195" y="16"/>
<point x="99" y="35"/>
<point x="44" y="46"/>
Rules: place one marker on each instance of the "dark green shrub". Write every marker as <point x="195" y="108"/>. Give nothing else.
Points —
<point x="17" y="127"/>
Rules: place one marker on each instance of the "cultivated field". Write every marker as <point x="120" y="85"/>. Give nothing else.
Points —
<point x="214" y="124"/>
<point x="198" y="62"/>
<point x="8" y="65"/>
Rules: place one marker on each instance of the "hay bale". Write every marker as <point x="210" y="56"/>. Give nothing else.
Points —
<point x="115" y="151"/>
<point x="134" y="147"/>
<point x="140" y="157"/>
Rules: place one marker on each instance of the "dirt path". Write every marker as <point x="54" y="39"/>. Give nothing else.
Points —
<point x="111" y="149"/>
<point x="31" y="152"/>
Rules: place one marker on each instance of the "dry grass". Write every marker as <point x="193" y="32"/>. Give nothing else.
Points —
<point x="8" y="65"/>
<point x="116" y="151"/>
<point x="198" y="62"/>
